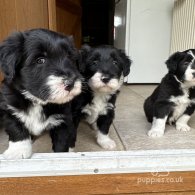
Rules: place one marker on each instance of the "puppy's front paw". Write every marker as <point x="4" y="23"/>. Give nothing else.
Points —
<point x="18" y="150"/>
<point x="71" y="149"/>
<point x="106" y="142"/>
<point x="155" y="133"/>
<point x="171" y="121"/>
<point x="182" y="127"/>
<point x="87" y="111"/>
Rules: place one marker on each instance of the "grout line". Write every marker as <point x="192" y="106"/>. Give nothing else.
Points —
<point x="124" y="148"/>
<point x="129" y="86"/>
<point x="123" y="145"/>
<point x="138" y="94"/>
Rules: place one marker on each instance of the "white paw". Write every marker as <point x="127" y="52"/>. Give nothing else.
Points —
<point x="87" y="111"/>
<point x="106" y="142"/>
<point x="18" y="150"/>
<point x="171" y="121"/>
<point x="155" y="133"/>
<point x="71" y="149"/>
<point x="182" y="127"/>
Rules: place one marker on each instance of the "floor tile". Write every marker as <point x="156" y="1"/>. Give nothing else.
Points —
<point x="132" y="126"/>
<point x="86" y="141"/>
<point x="143" y="90"/>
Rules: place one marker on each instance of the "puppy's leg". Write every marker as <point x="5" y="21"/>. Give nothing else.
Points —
<point x="182" y="122"/>
<point x="102" y="125"/>
<point x="61" y="137"/>
<point x="19" y="140"/>
<point x="73" y="137"/>
<point x="158" y="127"/>
<point x="161" y="112"/>
<point x="148" y="109"/>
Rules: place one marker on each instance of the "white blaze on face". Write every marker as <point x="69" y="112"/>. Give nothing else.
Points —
<point x="192" y="54"/>
<point x="58" y="94"/>
<point x="96" y="83"/>
<point x="189" y="71"/>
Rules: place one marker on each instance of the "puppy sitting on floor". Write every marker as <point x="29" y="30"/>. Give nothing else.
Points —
<point x="103" y="68"/>
<point x="173" y="101"/>
<point x="40" y="77"/>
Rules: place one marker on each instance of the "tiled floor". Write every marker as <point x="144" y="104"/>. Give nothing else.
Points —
<point x="132" y="125"/>
<point x="128" y="130"/>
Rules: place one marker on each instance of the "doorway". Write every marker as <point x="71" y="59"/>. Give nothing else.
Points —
<point x="97" y="22"/>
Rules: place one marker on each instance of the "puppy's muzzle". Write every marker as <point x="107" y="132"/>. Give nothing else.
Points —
<point x="69" y="85"/>
<point x="105" y="79"/>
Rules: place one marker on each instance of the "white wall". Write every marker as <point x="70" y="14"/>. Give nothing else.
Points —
<point x="148" y="39"/>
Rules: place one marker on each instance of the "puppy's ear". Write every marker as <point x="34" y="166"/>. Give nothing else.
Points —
<point x="126" y="63"/>
<point x="71" y="39"/>
<point x="84" y="51"/>
<point x="11" y="54"/>
<point x="83" y="54"/>
<point x="173" y="61"/>
<point x="73" y="52"/>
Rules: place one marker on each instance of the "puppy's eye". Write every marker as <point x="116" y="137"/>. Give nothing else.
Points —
<point x="40" y="60"/>
<point x="186" y="64"/>
<point x="95" y="62"/>
<point x="114" y="62"/>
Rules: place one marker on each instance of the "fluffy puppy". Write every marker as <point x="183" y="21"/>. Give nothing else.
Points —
<point x="40" y="77"/>
<point x="173" y="100"/>
<point x="103" y="68"/>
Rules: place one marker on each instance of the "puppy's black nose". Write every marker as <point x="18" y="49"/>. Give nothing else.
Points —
<point x="69" y="86"/>
<point x="105" y="79"/>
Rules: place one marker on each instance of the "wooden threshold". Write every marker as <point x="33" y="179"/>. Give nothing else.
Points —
<point x="99" y="184"/>
<point x="122" y="172"/>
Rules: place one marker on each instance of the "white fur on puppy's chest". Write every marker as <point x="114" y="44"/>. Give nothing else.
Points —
<point x="181" y="103"/>
<point x="97" y="107"/>
<point x="35" y="120"/>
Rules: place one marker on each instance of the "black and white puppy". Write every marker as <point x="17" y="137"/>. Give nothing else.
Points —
<point x="40" y="77"/>
<point x="103" y="68"/>
<point x="173" y="101"/>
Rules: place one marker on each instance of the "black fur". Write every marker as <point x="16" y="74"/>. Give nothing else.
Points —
<point x="27" y="60"/>
<point x="111" y="63"/>
<point x="174" y="84"/>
